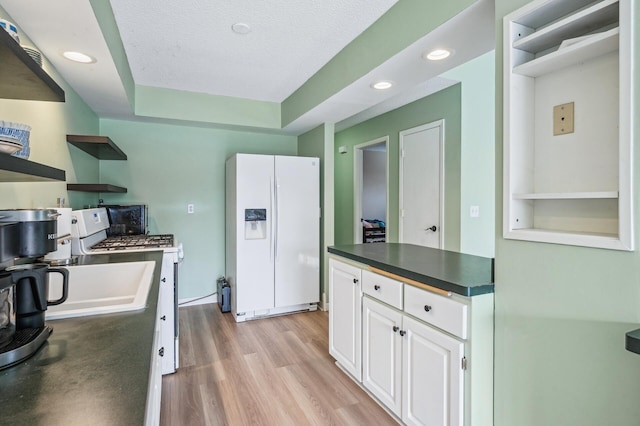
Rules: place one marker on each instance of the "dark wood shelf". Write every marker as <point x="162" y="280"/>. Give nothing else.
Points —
<point x="14" y="169"/>
<point x="95" y="187"/>
<point x="21" y="77"/>
<point x="101" y="147"/>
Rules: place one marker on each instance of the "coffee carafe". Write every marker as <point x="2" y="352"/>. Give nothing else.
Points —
<point x="7" y="311"/>
<point x="32" y="292"/>
<point x="27" y="234"/>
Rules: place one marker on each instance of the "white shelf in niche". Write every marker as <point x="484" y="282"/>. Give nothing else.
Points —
<point x="580" y="23"/>
<point x="593" y="239"/>
<point x="535" y="16"/>
<point x="592" y="47"/>
<point x="566" y="195"/>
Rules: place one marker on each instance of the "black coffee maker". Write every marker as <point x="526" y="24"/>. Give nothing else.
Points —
<point x="25" y="235"/>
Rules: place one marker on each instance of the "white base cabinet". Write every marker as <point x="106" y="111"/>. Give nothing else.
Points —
<point x="382" y="353"/>
<point x="345" y="298"/>
<point x="167" y="312"/>
<point x="409" y="347"/>
<point x="154" y="391"/>
<point x="413" y="369"/>
<point x="432" y="376"/>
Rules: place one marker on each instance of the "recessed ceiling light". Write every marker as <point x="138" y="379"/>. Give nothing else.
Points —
<point x="79" y="57"/>
<point x="241" y="28"/>
<point x="437" y="54"/>
<point x="382" y="85"/>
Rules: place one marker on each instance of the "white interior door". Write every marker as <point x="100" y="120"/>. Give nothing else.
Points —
<point x="422" y="185"/>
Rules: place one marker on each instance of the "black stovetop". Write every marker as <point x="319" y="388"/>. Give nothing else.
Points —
<point x="134" y="242"/>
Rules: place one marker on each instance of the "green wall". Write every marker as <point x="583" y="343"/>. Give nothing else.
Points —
<point x="312" y="144"/>
<point x="477" y="154"/>
<point x="441" y="105"/>
<point x="561" y="315"/>
<point x="170" y="166"/>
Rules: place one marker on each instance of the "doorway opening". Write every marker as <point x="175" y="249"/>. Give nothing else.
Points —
<point x="371" y="189"/>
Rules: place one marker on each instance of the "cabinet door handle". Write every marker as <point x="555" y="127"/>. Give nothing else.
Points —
<point x="402" y="333"/>
<point x="161" y="351"/>
<point x="432" y="228"/>
<point x="355" y="281"/>
<point x="395" y="328"/>
<point x="164" y="280"/>
<point x="376" y="287"/>
<point x="163" y="318"/>
<point x="427" y="308"/>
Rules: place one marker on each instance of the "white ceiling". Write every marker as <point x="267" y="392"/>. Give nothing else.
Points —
<point x="189" y="45"/>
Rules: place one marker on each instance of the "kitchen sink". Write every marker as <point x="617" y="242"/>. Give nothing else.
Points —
<point x="101" y="289"/>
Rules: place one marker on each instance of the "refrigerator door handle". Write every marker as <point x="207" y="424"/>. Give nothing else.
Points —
<point x="275" y="215"/>
<point x="272" y="208"/>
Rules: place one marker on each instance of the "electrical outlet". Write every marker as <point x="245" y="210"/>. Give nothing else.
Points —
<point x="563" y="119"/>
<point x="474" y="211"/>
<point x="190" y="208"/>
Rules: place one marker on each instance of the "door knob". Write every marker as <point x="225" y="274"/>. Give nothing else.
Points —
<point x="432" y="228"/>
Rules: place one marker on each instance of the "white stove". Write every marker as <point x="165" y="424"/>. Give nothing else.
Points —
<point x="89" y="237"/>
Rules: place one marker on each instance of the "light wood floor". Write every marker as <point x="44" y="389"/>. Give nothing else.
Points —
<point x="273" y="371"/>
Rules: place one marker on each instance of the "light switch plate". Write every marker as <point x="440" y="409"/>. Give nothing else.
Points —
<point x="563" y="119"/>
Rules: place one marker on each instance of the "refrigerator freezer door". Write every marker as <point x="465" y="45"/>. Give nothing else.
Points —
<point x="297" y="224"/>
<point x="254" y="256"/>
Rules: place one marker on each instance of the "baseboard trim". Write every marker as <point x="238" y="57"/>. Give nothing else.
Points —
<point x="193" y="301"/>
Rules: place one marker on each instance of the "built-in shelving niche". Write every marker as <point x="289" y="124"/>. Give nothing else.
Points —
<point x="572" y="188"/>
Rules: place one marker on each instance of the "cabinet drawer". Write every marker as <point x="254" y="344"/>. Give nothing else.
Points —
<point x="437" y="310"/>
<point x="382" y="288"/>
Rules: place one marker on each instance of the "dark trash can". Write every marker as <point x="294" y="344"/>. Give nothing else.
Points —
<point x="224" y="294"/>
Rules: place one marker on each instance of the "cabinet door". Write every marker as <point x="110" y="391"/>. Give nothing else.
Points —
<point x="166" y="315"/>
<point x="345" y="316"/>
<point x="154" y="390"/>
<point x="382" y="353"/>
<point x="432" y="376"/>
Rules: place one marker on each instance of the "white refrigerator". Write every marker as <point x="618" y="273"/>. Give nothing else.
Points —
<point x="272" y="234"/>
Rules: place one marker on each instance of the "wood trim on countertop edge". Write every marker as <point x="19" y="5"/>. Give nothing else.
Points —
<point x="410" y="281"/>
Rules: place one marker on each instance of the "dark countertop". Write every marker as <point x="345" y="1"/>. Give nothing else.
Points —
<point x="632" y="341"/>
<point x="459" y="273"/>
<point x="93" y="370"/>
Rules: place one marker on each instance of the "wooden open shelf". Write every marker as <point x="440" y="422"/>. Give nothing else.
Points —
<point x="14" y="169"/>
<point x="95" y="187"/>
<point x="21" y="77"/>
<point x="101" y="147"/>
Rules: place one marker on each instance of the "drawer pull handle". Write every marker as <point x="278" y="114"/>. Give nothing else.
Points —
<point x="395" y="328"/>
<point x="427" y="308"/>
<point x="376" y="287"/>
<point x="355" y="281"/>
<point x="402" y="333"/>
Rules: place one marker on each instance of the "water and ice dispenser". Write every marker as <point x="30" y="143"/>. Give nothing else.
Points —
<point x="255" y="224"/>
